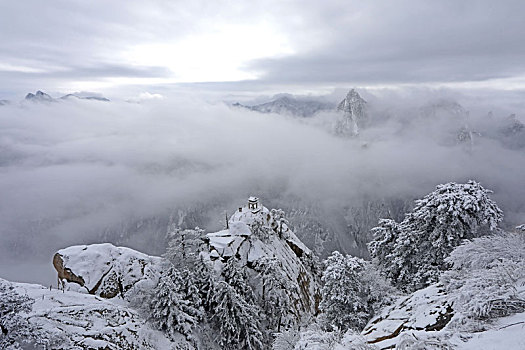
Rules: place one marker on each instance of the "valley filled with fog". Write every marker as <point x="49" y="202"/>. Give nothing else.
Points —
<point x="81" y="171"/>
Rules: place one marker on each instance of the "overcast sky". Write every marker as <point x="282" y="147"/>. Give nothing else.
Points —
<point x="112" y="46"/>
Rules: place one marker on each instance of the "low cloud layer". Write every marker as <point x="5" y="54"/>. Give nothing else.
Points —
<point x="70" y="170"/>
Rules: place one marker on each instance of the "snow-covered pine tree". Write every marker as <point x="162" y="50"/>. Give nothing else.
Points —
<point x="275" y="286"/>
<point x="260" y="229"/>
<point x="381" y="248"/>
<point x="412" y="254"/>
<point x="183" y="245"/>
<point x="236" y="277"/>
<point x="170" y="308"/>
<point x="279" y="217"/>
<point x="344" y="297"/>
<point x="236" y="319"/>
<point x="204" y="281"/>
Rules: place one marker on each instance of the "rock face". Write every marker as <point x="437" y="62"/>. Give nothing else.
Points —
<point x="105" y="270"/>
<point x="355" y="116"/>
<point x="255" y="235"/>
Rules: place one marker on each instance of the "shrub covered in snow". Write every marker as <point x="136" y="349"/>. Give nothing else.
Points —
<point x="410" y="341"/>
<point x="412" y="253"/>
<point x="354" y="341"/>
<point x="315" y="339"/>
<point x="352" y="292"/>
<point x="488" y="277"/>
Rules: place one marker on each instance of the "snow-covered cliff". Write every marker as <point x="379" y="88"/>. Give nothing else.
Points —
<point x="255" y="236"/>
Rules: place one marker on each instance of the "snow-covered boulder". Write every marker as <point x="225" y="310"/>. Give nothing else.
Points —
<point x="105" y="270"/>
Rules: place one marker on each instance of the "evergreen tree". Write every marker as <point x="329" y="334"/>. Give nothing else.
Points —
<point x="260" y="229"/>
<point x="236" y="319"/>
<point x="275" y="286"/>
<point x="183" y="246"/>
<point x="171" y="309"/>
<point x="412" y="254"/>
<point x="344" y="296"/>
<point x="203" y="281"/>
<point x="236" y="277"/>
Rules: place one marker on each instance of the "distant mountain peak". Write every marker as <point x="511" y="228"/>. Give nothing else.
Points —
<point x="85" y="96"/>
<point x="288" y="104"/>
<point x="355" y="115"/>
<point x="39" y="96"/>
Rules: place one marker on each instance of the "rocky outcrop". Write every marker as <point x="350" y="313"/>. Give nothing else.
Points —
<point x="255" y="236"/>
<point x="425" y="310"/>
<point x="355" y="116"/>
<point x="105" y="270"/>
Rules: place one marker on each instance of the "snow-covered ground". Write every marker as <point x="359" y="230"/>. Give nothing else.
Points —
<point x="84" y="321"/>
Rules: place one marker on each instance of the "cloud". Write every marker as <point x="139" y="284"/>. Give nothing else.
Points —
<point x="54" y="46"/>
<point x="406" y="42"/>
<point x="73" y="171"/>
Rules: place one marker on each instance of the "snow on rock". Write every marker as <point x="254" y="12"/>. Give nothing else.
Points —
<point x="507" y="333"/>
<point x="82" y="321"/>
<point x="424" y="310"/>
<point x="105" y="270"/>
